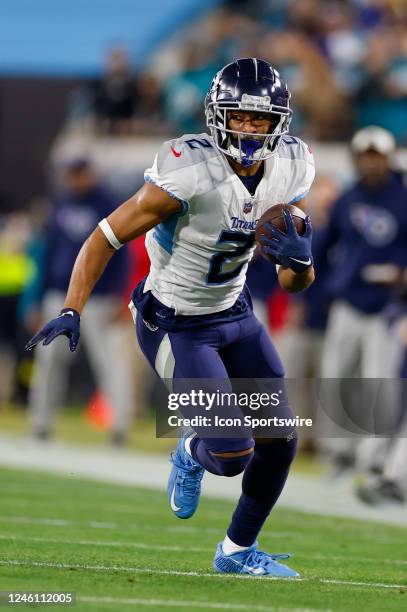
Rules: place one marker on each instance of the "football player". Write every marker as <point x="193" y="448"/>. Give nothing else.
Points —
<point x="199" y="205"/>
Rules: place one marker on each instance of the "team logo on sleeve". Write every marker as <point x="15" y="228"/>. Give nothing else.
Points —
<point x="247" y="207"/>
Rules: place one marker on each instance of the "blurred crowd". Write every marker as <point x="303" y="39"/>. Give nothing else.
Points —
<point x="38" y="248"/>
<point x="345" y="62"/>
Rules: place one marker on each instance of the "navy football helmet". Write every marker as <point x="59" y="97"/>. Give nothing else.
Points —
<point x="248" y="84"/>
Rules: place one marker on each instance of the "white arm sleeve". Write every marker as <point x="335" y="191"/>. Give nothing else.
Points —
<point x="110" y="235"/>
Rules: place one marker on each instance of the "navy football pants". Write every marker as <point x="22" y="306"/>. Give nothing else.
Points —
<point x="238" y="349"/>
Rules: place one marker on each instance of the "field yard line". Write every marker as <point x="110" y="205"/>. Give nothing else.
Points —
<point x="109" y="544"/>
<point x="380" y="585"/>
<point x="190" y="549"/>
<point x="116" y="568"/>
<point x="147" y="570"/>
<point x="194" y="604"/>
<point x="56" y="522"/>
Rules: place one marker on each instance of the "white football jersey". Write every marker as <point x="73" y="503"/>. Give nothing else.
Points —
<point x="199" y="256"/>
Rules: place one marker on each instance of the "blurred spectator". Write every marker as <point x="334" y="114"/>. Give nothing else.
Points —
<point x="122" y="103"/>
<point x="28" y="318"/>
<point x="368" y="227"/>
<point x="149" y="114"/>
<point x="15" y="271"/>
<point x="382" y="95"/>
<point x="115" y="94"/>
<point x="77" y="211"/>
<point x="368" y="224"/>
<point x="389" y="484"/>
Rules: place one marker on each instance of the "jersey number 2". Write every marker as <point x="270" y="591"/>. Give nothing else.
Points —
<point x="216" y="275"/>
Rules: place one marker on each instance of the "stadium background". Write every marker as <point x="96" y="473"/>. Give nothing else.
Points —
<point x="346" y="66"/>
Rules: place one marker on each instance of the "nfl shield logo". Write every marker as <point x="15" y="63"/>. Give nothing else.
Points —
<point x="247" y="207"/>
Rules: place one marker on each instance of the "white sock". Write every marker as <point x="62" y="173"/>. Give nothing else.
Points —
<point x="229" y="547"/>
<point x="187" y="444"/>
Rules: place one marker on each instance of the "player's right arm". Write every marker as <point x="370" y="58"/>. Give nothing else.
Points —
<point x="148" y="207"/>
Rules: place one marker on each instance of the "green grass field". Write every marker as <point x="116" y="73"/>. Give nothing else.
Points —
<point x="120" y="548"/>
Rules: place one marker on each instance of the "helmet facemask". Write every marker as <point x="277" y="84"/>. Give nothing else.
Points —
<point x="246" y="148"/>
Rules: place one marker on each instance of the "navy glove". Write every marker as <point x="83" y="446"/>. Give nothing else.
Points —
<point x="67" y="324"/>
<point x="290" y="249"/>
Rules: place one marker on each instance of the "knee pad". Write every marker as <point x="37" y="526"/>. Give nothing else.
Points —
<point x="231" y="466"/>
<point x="206" y="452"/>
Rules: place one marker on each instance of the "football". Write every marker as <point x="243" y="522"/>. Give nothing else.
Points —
<point x="274" y="215"/>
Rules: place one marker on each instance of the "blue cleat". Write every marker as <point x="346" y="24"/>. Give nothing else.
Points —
<point x="253" y="562"/>
<point x="184" y="483"/>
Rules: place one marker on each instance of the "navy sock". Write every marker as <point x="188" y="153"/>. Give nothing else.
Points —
<point x="263" y="482"/>
<point x="221" y="466"/>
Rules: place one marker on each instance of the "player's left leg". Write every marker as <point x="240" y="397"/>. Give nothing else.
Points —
<point x="196" y="356"/>
<point x="177" y="358"/>
<point x="254" y="356"/>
